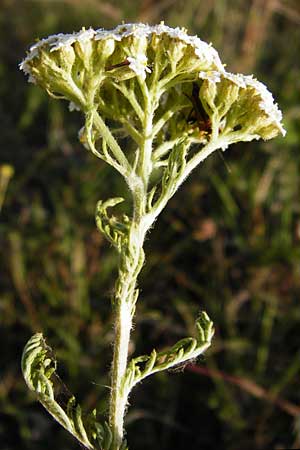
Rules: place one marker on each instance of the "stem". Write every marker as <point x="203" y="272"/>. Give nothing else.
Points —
<point x="144" y="168"/>
<point x="118" y="401"/>
<point x="111" y="142"/>
<point x="131" y="263"/>
<point x="191" y="165"/>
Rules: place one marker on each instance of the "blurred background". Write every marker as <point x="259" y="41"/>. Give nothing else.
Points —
<point x="228" y="243"/>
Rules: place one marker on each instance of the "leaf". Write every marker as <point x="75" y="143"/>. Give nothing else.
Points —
<point x="113" y="229"/>
<point x="184" y="350"/>
<point x="39" y="371"/>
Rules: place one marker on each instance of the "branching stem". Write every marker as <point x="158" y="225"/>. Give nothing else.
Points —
<point x="131" y="262"/>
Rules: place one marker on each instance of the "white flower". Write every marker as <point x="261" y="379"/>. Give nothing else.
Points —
<point x="266" y="104"/>
<point x="68" y="39"/>
<point x="211" y="75"/>
<point x="202" y="50"/>
<point x="139" y="65"/>
<point x="73" y="107"/>
<point x="65" y="64"/>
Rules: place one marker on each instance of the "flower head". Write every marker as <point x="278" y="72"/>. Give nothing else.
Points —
<point x="90" y="68"/>
<point x="77" y="65"/>
<point x="139" y="65"/>
<point x="240" y="107"/>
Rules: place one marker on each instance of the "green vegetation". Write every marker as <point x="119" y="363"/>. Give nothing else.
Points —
<point x="229" y="244"/>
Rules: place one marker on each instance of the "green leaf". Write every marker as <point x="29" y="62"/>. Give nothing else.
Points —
<point x="39" y="371"/>
<point x="114" y="230"/>
<point x="184" y="350"/>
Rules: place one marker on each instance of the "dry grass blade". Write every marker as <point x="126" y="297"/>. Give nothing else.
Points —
<point x="249" y="386"/>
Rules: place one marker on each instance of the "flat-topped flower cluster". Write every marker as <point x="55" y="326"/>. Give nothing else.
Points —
<point x="139" y="31"/>
<point x="76" y="66"/>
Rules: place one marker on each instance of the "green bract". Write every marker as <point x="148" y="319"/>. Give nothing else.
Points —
<point x="170" y="94"/>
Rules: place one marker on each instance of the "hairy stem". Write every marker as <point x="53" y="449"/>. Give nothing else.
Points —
<point x="131" y="262"/>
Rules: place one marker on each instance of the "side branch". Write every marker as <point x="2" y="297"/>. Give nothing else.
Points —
<point x="185" y="350"/>
<point x="111" y="142"/>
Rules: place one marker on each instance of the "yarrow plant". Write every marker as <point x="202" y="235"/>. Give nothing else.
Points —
<point x="171" y="95"/>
